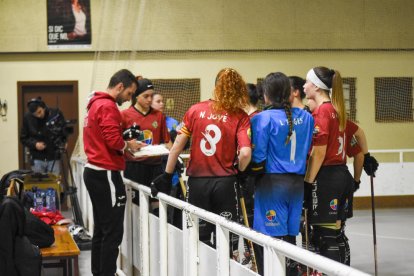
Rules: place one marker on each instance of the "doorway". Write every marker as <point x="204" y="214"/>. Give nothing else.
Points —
<point x="55" y="94"/>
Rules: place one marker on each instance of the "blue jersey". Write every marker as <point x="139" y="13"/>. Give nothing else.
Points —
<point x="269" y="131"/>
<point x="172" y="123"/>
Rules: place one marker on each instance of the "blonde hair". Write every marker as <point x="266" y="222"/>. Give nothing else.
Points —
<point x="230" y="93"/>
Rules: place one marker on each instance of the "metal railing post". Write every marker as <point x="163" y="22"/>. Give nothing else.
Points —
<point x="163" y="238"/>
<point x="144" y="233"/>
<point x="223" y="251"/>
<point x="190" y="243"/>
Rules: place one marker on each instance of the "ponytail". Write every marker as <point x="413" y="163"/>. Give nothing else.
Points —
<point x="337" y="99"/>
<point x="288" y="112"/>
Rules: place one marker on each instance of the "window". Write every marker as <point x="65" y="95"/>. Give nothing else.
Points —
<point x="178" y="94"/>
<point x="393" y="99"/>
<point x="349" y="97"/>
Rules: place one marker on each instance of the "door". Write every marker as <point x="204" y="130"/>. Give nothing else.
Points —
<point x="56" y="94"/>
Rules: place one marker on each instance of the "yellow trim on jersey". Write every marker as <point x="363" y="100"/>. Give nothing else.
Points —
<point x="185" y="131"/>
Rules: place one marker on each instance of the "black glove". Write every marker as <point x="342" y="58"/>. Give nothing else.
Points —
<point x="356" y="185"/>
<point x="370" y="164"/>
<point x="131" y="133"/>
<point x="161" y="183"/>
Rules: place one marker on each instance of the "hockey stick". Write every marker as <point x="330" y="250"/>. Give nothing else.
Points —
<point x="374" y="231"/>
<point x="182" y="185"/>
<point x="246" y="223"/>
<point x="307" y="237"/>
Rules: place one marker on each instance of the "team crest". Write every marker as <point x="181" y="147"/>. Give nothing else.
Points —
<point x="333" y="204"/>
<point x="154" y="124"/>
<point x="271" y="215"/>
<point x="354" y="141"/>
<point x="316" y="130"/>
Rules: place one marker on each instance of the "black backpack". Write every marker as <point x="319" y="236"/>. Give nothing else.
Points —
<point x="18" y="255"/>
<point x="38" y="232"/>
<point x="27" y="257"/>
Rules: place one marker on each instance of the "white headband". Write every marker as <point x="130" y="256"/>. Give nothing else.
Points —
<point x="315" y="80"/>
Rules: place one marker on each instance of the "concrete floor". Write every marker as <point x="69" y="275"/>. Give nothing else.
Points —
<point x="395" y="244"/>
<point x="395" y="241"/>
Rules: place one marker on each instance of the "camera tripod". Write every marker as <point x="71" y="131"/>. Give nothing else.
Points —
<point x="71" y="191"/>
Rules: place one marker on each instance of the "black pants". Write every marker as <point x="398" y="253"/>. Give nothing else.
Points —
<point x="107" y="192"/>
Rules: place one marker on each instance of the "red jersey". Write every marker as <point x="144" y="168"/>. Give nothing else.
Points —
<point x="102" y="133"/>
<point x="215" y="139"/>
<point x="327" y="133"/>
<point x="153" y="124"/>
<point x="352" y="147"/>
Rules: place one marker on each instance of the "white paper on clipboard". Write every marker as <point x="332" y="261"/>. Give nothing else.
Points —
<point x="152" y="150"/>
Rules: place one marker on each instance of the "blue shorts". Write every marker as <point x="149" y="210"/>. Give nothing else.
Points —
<point x="278" y="204"/>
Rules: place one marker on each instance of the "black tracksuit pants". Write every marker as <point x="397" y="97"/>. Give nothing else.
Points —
<point x="107" y="192"/>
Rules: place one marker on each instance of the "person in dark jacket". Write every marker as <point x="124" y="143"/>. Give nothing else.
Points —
<point x="43" y="133"/>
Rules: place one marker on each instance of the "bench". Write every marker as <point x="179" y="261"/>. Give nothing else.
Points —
<point x="64" y="249"/>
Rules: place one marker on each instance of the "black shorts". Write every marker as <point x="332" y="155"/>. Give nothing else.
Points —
<point x="350" y="209"/>
<point x="217" y="195"/>
<point x="330" y="195"/>
<point x="214" y="194"/>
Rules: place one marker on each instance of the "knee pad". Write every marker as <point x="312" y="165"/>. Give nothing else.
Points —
<point x="325" y="240"/>
<point x="344" y="249"/>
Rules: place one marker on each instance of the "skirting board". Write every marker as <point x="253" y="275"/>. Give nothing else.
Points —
<point x="397" y="201"/>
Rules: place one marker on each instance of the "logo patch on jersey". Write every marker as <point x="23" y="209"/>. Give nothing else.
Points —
<point x="333" y="204"/>
<point x="249" y="133"/>
<point x="146" y="137"/>
<point x="354" y="141"/>
<point x="271" y="215"/>
<point x="346" y="204"/>
<point x="154" y="124"/>
<point x="315" y="130"/>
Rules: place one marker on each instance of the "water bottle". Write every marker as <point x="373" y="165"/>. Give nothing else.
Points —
<point x="39" y="195"/>
<point x="51" y="200"/>
<point x="34" y="192"/>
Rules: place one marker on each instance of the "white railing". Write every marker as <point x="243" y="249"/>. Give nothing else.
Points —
<point x="154" y="247"/>
<point x="400" y="152"/>
<point x="392" y="178"/>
